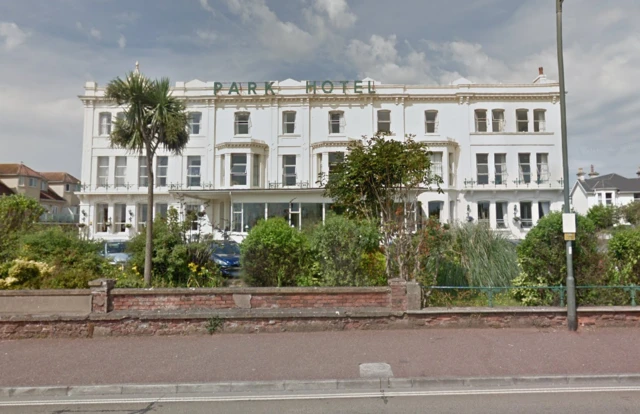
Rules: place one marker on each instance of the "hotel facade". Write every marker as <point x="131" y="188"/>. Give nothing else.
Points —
<point x="259" y="149"/>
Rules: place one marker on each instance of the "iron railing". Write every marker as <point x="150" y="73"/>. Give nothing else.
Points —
<point x="436" y="296"/>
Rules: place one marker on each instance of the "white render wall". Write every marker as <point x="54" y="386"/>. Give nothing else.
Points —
<point x="407" y="104"/>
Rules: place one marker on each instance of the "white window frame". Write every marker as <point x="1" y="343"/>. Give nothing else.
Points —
<point x="485" y="172"/>
<point x="102" y="172"/>
<point x="431" y="125"/>
<point x="436" y="162"/>
<point x="524" y="172"/>
<point x="339" y="122"/>
<point x="381" y="123"/>
<point x="194" y="171"/>
<point x="161" y="210"/>
<point x="255" y="170"/>
<point x="522" y="125"/>
<point x="141" y="216"/>
<point x="104" y="123"/>
<point x="162" y="170"/>
<point x="120" y="172"/>
<point x="500" y="168"/>
<point x="119" y="218"/>
<point x="195" y="123"/>
<point x="486" y="203"/>
<point x="238" y="170"/>
<point x="143" y="175"/>
<point x="33" y="182"/>
<point x="238" y="123"/>
<point x="481" y="121"/>
<point x="542" y="167"/>
<point x="335" y="158"/>
<point x="102" y="217"/>
<point x="539" y="120"/>
<point x="286" y="123"/>
<point x="289" y="170"/>
<point x="502" y="220"/>
<point x="497" y="120"/>
<point x="526" y="222"/>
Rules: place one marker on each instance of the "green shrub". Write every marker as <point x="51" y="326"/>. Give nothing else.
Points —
<point x="624" y="257"/>
<point x="339" y="247"/>
<point x="542" y="254"/>
<point x="274" y="254"/>
<point x="631" y="213"/>
<point x="18" y="214"/>
<point x="603" y="217"/>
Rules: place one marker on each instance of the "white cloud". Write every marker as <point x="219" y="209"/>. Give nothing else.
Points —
<point x="95" y="33"/>
<point x="13" y="36"/>
<point x="205" y="5"/>
<point x="122" y="42"/>
<point x="340" y="16"/>
<point x="207" y="36"/>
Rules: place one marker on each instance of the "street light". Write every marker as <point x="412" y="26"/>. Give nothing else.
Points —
<point x="572" y="317"/>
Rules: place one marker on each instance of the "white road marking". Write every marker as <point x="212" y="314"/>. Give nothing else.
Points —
<point x="377" y="394"/>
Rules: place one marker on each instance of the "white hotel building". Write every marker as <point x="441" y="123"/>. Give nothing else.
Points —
<point x="256" y="151"/>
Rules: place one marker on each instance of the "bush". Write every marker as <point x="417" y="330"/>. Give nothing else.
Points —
<point x="603" y="217"/>
<point x="624" y="257"/>
<point x="542" y="254"/>
<point x="631" y="213"/>
<point x="18" y="214"/>
<point x="26" y="274"/>
<point x="274" y="254"/>
<point x="340" y="247"/>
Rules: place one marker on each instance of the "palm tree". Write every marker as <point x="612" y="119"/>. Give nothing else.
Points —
<point x="153" y="118"/>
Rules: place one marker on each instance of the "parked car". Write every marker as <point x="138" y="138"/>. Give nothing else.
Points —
<point x="115" y="252"/>
<point x="226" y="254"/>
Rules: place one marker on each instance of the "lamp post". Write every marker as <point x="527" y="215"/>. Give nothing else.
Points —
<point x="572" y="317"/>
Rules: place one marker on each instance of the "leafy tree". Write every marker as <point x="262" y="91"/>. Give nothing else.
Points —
<point x="631" y="213"/>
<point x="152" y="119"/>
<point x="624" y="254"/>
<point x="18" y="214"/>
<point x="380" y="179"/>
<point x="274" y="254"/>
<point x="603" y="217"/>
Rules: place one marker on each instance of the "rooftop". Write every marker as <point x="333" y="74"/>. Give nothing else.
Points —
<point x="611" y="181"/>
<point x="60" y="177"/>
<point x="15" y="170"/>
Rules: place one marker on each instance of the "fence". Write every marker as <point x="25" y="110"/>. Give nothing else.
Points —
<point x="438" y="296"/>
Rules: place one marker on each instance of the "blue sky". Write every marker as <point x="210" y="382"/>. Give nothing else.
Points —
<point x="49" y="48"/>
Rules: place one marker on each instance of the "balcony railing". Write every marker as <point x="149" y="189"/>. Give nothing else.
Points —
<point x="51" y="218"/>
<point x="299" y="184"/>
<point x="518" y="183"/>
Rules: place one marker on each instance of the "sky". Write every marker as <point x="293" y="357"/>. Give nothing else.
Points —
<point x="49" y="48"/>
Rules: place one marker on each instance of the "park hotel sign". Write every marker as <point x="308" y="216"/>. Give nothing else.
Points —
<point x="312" y="87"/>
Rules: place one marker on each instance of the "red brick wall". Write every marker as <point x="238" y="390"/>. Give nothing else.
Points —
<point x="258" y="298"/>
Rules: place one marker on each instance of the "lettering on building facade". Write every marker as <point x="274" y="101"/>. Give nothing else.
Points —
<point x="312" y="87"/>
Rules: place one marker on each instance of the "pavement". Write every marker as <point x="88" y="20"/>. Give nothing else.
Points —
<point x="419" y="353"/>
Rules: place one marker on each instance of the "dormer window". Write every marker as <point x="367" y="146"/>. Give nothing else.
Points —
<point x="242" y="123"/>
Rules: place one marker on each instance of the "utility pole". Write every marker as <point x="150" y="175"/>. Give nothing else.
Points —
<point x="572" y="317"/>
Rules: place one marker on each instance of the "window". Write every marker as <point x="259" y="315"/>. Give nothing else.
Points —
<point x="436" y="163"/>
<point x="483" y="211"/>
<point x="289" y="170"/>
<point x="608" y="198"/>
<point x="21" y="181"/>
<point x="431" y="121"/>
<point x="143" y="177"/>
<point x="193" y="171"/>
<point x="481" y="120"/>
<point x="102" y="218"/>
<point x="43" y="185"/>
<point x="143" y="211"/>
<point x="500" y="165"/>
<point x="452" y="170"/>
<point x="191" y="215"/>
<point x="543" y="208"/>
<point x="288" y="122"/>
<point x="600" y="198"/>
<point x="335" y="158"/>
<point x="525" y="214"/>
<point x="294" y="215"/>
<point x="161" y="171"/>
<point x="161" y="210"/>
<point x="120" y="117"/>
<point x="67" y="188"/>
<point x="525" y="168"/>
<point x="497" y="121"/>
<point x="384" y="121"/>
<point x="542" y="168"/>
<point x="194" y="123"/>
<point x="539" y="120"/>
<point x="435" y="208"/>
<point x="501" y="214"/>
<point x="119" y="217"/>
<point x="482" y="166"/>
<point x="103" y="171"/>
<point x="105" y="123"/>
<point x="255" y="171"/>
<point x="636" y="196"/>
<point x="237" y="217"/>
<point x="120" y="174"/>
<point x="522" y="120"/>
<point x="336" y="122"/>
<point x="33" y="182"/>
<point x="242" y="123"/>
<point x="222" y="170"/>
<point x="238" y="169"/>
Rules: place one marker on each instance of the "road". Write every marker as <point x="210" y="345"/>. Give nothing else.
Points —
<point x="584" y="400"/>
<point x="318" y="355"/>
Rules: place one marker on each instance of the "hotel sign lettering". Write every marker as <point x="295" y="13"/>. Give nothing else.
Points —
<point x="311" y="87"/>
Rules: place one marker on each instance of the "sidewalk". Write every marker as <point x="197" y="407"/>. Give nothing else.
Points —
<point x="319" y="355"/>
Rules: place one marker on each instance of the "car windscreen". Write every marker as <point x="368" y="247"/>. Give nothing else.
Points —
<point x="116" y="247"/>
<point x="226" y="248"/>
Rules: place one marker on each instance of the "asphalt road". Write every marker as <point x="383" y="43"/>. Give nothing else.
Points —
<point x="318" y="355"/>
<point x="583" y="401"/>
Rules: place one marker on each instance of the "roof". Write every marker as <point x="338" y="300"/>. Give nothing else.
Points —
<point x="612" y="182"/>
<point x="18" y="170"/>
<point x="4" y="190"/>
<point x="60" y="177"/>
<point x="50" y="195"/>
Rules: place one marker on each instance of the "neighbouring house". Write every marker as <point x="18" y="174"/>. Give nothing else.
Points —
<point x="259" y="150"/>
<point x="609" y="189"/>
<point x="21" y="179"/>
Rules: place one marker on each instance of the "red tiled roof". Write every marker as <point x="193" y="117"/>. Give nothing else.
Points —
<point x="50" y="195"/>
<point x="4" y="190"/>
<point x="60" y="177"/>
<point x="18" y="170"/>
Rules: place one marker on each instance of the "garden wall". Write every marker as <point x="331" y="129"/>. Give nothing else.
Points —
<point x="57" y="301"/>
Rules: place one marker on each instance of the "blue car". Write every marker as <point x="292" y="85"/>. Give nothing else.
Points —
<point x="226" y="254"/>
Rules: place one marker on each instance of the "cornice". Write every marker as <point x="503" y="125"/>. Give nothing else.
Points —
<point x="332" y="144"/>
<point x="246" y="144"/>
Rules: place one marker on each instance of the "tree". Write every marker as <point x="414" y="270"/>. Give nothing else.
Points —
<point x="631" y="213"/>
<point x="603" y="217"/>
<point x="152" y="119"/>
<point x="18" y="214"/>
<point x="380" y="179"/>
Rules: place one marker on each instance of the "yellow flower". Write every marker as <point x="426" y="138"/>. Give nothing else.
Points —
<point x="193" y="267"/>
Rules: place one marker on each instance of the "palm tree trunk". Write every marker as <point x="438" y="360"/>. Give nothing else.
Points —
<point x="148" y="252"/>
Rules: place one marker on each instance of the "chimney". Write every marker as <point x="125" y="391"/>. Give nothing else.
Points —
<point x="638" y="172"/>
<point x="540" y="71"/>
<point x="580" y="174"/>
<point x="593" y="172"/>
